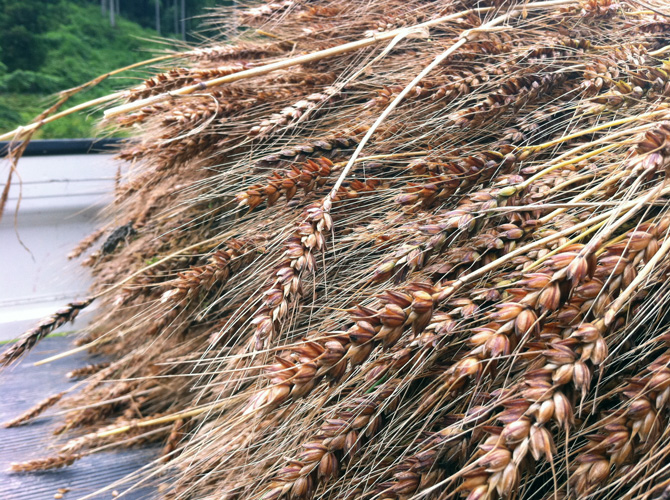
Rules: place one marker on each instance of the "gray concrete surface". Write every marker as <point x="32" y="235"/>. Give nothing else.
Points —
<point x="61" y="199"/>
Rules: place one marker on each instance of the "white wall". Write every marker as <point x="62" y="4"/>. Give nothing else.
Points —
<point x="61" y="198"/>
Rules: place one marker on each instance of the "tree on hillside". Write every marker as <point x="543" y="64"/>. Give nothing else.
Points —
<point x="158" y="16"/>
<point x="112" y="12"/>
<point x="21" y="26"/>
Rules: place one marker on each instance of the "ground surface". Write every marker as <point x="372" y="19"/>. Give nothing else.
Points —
<point x="20" y="388"/>
<point x="60" y="198"/>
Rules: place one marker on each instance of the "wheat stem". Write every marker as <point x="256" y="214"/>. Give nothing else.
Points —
<point x="463" y="39"/>
<point x="161" y="420"/>
<point x="602" y="126"/>
<point x="644" y="273"/>
<point x="559" y="249"/>
<point x="21" y="132"/>
<point x="314" y="56"/>
<point x="562" y="164"/>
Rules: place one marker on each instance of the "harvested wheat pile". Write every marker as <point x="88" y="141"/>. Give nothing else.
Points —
<point x="389" y="249"/>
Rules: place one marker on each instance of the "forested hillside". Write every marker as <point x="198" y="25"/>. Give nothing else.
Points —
<point x="47" y="46"/>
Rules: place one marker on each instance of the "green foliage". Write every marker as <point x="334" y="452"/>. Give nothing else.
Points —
<point x="48" y="46"/>
<point x="21" y="26"/>
<point x="31" y="14"/>
<point x="29" y="82"/>
<point x="22" y="49"/>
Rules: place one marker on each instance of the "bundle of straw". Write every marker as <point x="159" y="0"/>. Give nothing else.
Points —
<point x="389" y="249"/>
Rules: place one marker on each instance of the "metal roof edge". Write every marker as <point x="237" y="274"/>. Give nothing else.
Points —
<point x="43" y="147"/>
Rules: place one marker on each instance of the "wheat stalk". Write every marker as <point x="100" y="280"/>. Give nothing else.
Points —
<point x="417" y="271"/>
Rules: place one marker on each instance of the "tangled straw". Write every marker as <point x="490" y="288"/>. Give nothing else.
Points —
<point x="401" y="250"/>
